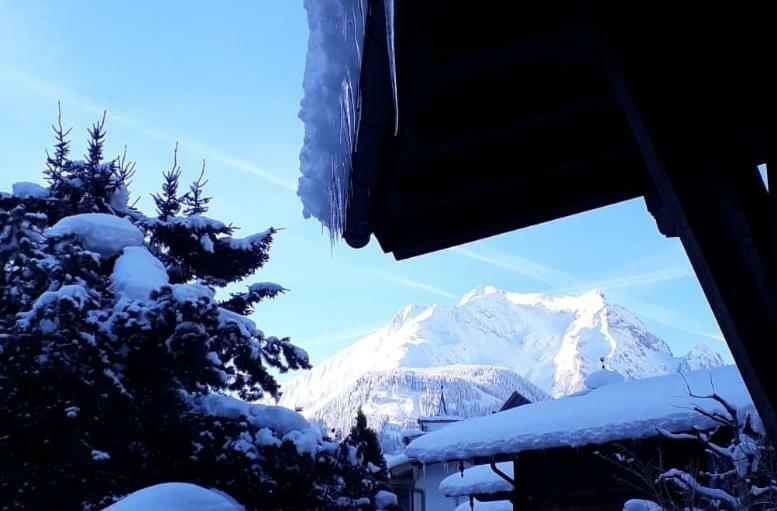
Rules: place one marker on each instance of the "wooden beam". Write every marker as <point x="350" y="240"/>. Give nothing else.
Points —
<point x="709" y="189"/>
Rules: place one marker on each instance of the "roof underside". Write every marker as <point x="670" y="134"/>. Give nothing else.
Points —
<point x="507" y="119"/>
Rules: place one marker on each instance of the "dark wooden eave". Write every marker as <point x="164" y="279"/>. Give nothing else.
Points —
<point x="497" y="107"/>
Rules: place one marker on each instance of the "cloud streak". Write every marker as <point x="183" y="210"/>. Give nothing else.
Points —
<point x="414" y="284"/>
<point x="563" y="283"/>
<point x="42" y="88"/>
<point x="338" y="337"/>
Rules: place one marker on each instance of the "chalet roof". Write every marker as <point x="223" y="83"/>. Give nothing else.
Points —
<point x="629" y="410"/>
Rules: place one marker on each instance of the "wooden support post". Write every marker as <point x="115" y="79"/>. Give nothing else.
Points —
<point x="708" y="189"/>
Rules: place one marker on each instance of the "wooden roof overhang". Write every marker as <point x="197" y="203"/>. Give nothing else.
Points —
<point x="508" y="117"/>
<point x="516" y="113"/>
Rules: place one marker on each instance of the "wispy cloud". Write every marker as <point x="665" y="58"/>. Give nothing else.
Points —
<point x="338" y="337"/>
<point x="414" y="284"/>
<point x="70" y="99"/>
<point x="523" y="266"/>
<point x="562" y="282"/>
<point x="629" y="281"/>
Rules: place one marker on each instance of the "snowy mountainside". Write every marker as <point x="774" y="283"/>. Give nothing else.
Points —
<point x="554" y="343"/>
<point x="700" y="357"/>
<point x="393" y="399"/>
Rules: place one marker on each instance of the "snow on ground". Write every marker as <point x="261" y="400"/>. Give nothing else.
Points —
<point x="104" y="234"/>
<point x="496" y="505"/>
<point x="176" y="497"/>
<point x="136" y="273"/>
<point x="25" y="190"/>
<point x="477" y="480"/>
<point x="633" y="409"/>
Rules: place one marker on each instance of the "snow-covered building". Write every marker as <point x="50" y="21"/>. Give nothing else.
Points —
<point x="559" y="448"/>
<point x="422" y="486"/>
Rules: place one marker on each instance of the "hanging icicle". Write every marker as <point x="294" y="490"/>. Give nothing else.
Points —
<point x="392" y="58"/>
<point x="331" y="108"/>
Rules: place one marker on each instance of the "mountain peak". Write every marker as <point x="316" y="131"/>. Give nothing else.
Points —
<point x="700" y="356"/>
<point x="479" y="292"/>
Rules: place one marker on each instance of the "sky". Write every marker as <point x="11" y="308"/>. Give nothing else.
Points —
<point x="224" y="80"/>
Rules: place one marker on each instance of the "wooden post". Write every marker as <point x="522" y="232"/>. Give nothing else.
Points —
<point x="708" y="190"/>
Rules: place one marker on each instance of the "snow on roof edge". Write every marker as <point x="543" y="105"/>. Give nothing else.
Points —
<point x="330" y="107"/>
<point x="477" y="480"/>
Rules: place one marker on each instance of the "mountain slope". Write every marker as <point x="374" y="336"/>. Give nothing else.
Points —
<point x="554" y="343"/>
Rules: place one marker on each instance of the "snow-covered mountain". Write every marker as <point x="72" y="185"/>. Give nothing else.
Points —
<point x="528" y="340"/>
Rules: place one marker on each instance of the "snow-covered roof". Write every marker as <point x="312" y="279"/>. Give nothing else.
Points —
<point x="496" y="505"/>
<point x="633" y="409"/>
<point x="477" y="480"/>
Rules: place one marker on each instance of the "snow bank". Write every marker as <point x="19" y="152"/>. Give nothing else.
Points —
<point x="176" y="497"/>
<point x="477" y="480"/>
<point x="136" y="273"/>
<point x="330" y="107"/>
<point x="104" y="234"/>
<point x="496" y="505"/>
<point x="277" y="418"/>
<point x="26" y="190"/>
<point x="633" y="409"/>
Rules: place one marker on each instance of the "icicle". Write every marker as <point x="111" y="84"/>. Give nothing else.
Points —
<point x="392" y="57"/>
<point x="331" y="108"/>
<point x="423" y="469"/>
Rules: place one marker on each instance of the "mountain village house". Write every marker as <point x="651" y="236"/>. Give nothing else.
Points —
<point x="563" y="454"/>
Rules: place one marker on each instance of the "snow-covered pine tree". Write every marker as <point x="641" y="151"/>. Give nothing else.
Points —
<point x="365" y="468"/>
<point x="116" y="355"/>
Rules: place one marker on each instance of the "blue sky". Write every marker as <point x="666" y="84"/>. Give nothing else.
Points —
<point x="224" y="80"/>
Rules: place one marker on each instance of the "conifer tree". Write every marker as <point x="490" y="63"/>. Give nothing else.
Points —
<point x="119" y="366"/>
<point x="195" y="201"/>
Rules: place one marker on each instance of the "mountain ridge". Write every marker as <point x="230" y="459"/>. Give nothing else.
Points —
<point x="551" y="343"/>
